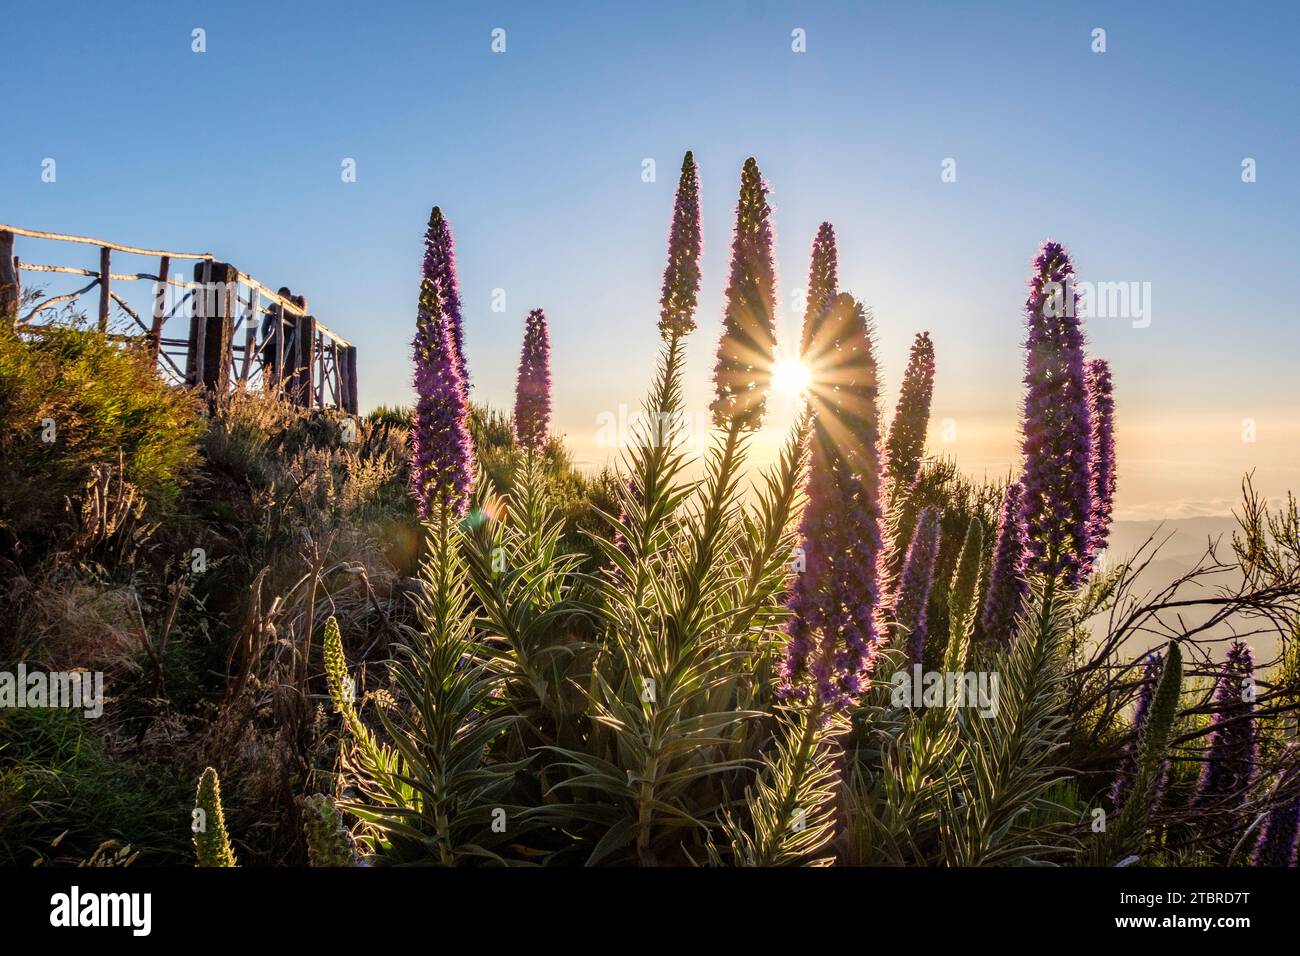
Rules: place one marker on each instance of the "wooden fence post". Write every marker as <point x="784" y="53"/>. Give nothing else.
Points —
<point x="10" y="289"/>
<point x="198" y="323"/>
<point x="159" y="307"/>
<point x="350" y="379"/>
<point x="210" y="355"/>
<point x="105" y="300"/>
<point x="194" y="353"/>
<point x="305" y="362"/>
<point x="277" y="357"/>
<point x="219" y="358"/>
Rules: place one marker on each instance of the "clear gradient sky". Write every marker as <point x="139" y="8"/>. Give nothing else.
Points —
<point x="1132" y="157"/>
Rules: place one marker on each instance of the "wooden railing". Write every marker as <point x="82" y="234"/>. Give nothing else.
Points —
<point x="240" y="333"/>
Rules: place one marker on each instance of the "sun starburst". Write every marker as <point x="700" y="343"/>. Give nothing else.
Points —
<point x="790" y="377"/>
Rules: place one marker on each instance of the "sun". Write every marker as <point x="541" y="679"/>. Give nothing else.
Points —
<point x="790" y="377"/>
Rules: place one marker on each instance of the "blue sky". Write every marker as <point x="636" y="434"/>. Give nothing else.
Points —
<point x="1131" y="157"/>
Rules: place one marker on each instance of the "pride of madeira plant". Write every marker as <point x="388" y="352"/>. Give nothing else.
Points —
<point x="211" y="841"/>
<point x="717" y="681"/>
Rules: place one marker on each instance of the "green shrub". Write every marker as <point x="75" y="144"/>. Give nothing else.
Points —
<point x="99" y="406"/>
<point x="577" y="499"/>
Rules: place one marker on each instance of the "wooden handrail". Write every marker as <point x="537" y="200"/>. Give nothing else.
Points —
<point x="115" y="276"/>
<point x="288" y="305"/>
<point x="87" y="240"/>
<point x="322" y="366"/>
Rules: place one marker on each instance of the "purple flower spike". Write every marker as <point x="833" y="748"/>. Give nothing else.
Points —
<point x="1057" y="441"/>
<point x="1007" y="585"/>
<point x="442" y="451"/>
<point x="745" y="353"/>
<point x="823" y="280"/>
<point x="907" y="431"/>
<point x="1230" y="758"/>
<point x="533" y="388"/>
<point x="682" y="276"/>
<point x="1128" y="765"/>
<point x="832" y="636"/>
<point x="443" y="289"/>
<point x="914" y="587"/>
<point x="1277" y="838"/>
<point x="1101" y="410"/>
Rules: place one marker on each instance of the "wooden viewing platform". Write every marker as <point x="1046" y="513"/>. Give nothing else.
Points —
<point x="240" y="333"/>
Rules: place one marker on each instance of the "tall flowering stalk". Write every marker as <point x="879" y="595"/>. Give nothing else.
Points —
<point x="211" y="842"/>
<point x="742" y="375"/>
<point x="906" y="441"/>
<point x="902" y="508"/>
<point x="1119" y="790"/>
<point x="1128" y="832"/>
<point x="832" y="633"/>
<point x="442" y="451"/>
<point x="682" y="275"/>
<point x="442" y="294"/>
<point x="533" y="387"/>
<point x="1276" y="845"/>
<point x="1230" y="759"/>
<point x="1101" y="411"/>
<point x="744" y="367"/>
<point x="652" y="459"/>
<point x="1057" y="432"/>
<point x="963" y="598"/>
<point x="823" y="282"/>
<point x="913" y="597"/>
<point x="832" y="636"/>
<point x="1007" y="586"/>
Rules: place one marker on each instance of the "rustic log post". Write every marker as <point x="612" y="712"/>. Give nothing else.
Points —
<point x="159" y="307"/>
<point x="199" y="308"/>
<point x="277" y="369"/>
<point x="10" y="280"/>
<point x="219" y="358"/>
<point x="105" y="259"/>
<point x="341" y="375"/>
<point x="350" y="379"/>
<point x="305" y="361"/>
